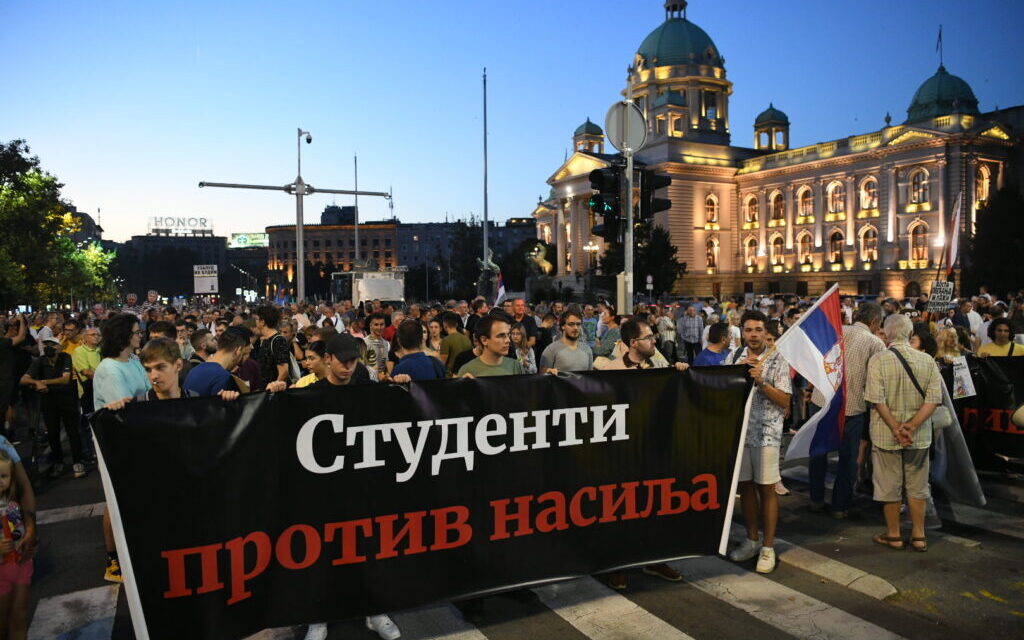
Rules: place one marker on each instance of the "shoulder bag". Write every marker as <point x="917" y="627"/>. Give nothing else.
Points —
<point x="941" y="417"/>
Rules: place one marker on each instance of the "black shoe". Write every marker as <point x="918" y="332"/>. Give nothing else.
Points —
<point x="56" y="470"/>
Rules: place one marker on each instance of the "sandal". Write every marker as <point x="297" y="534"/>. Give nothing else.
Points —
<point x="888" y="541"/>
<point x="922" y="547"/>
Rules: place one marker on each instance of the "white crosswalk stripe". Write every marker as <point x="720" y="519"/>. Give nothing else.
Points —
<point x="783" y="608"/>
<point x="81" y="615"/>
<point x="602" y="614"/>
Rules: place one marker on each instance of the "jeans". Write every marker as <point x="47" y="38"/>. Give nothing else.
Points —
<point x="846" y="470"/>
<point x="692" y="349"/>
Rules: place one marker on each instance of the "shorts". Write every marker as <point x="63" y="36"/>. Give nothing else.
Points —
<point x="12" y="573"/>
<point x="760" y="464"/>
<point x="894" y="470"/>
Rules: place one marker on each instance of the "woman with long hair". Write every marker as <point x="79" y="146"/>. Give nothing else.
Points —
<point x="521" y="348"/>
<point x="948" y="345"/>
<point x="435" y="333"/>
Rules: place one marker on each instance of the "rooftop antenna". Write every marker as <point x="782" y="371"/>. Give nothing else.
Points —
<point x="938" y="46"/>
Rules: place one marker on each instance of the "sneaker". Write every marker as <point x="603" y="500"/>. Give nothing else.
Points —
<point x="79" y="470"/>
<point x="663" y="571"/>
<point x="744" y="552"/>
<point x="766" y="561"/>
<point x="113" y="572"/>
<point x="384" y="627"/>
<point x="617" y="581"/>
<point x="316" y="631"/>
<point x="56" y="470"/>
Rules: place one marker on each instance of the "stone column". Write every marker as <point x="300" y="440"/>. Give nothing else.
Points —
<point x="850" y="227"/>
<point x="1001" y="176"/>
<point x="819" y="211"/>
<point x="969" y="191"/>
<point x="560" y="238"/>
<point x="890" y="225"/>
<point x="789" y="194"/>
<point x="763" y="216"/>
<point x="940" y="237"/>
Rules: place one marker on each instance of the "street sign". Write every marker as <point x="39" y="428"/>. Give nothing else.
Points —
<point x="626" y="127"/>
<point x="204" y="277"/>
<point x="942" y="293"/>
<point x="650" y="278"/>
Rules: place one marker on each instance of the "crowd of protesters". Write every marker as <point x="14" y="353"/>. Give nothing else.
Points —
<point x="56" y="368"/>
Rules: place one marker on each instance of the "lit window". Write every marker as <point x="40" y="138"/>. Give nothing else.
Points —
<point x="919" y="243"/>
<point x="750" y="252"/>
<point x="835" y="247"/>
<point x="778" y="207"/>
<point x="869" y="195"/>
<point x="982" y="184"/>
<point x="806" y="203"/>
<point x="711" y="210"/>
<point x="805" y="248"/>
<point x="709" y="103"/>
<point x="712" y="251"/>
<point x="836" y="198"/>
<point x="778" y="247"/>
<point x="751" y="210"/>
<point x="869" y="245"/>
<point x="919" y="187"/>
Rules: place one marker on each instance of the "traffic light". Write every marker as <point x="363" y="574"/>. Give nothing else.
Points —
<point x="607" y="202"/>
<point x="650" y="182"/>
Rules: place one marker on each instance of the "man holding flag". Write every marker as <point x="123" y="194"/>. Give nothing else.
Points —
<point x="759" y="464"/>
<point x="860" y="342"/>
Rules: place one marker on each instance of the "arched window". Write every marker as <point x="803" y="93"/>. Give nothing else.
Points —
<point x="919" y="187"/>
<point x="835" y="247"/>
<point x="982" y="184"/>
<point x="712" y="251"/>
<point x="750" y="209"/>
<point x="836" y="198"/>
<point x="806" y="203"/>
<point x="919" y="242"/>
<point x="778" y="247"/>
<point x="711" y="209"/>
<point x="778" y="207"/>
<point x="805" y="248"/>
<point x="869" y="245"/>
<point x="750" y="252"/>
<point x="869" y="195"/>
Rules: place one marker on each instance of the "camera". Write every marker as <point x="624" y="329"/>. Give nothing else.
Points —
<point x="309" y="138"/>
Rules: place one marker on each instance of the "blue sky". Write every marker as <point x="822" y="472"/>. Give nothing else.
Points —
<point x="131" y="104"/>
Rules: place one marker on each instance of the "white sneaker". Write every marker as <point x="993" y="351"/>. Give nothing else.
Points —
<point x="766" y="561"/>
<point x="317" y="631"/>
<point x="384" y="627"/>
<point x="744" y="552"/>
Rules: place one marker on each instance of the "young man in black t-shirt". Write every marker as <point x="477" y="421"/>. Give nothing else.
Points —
<point x="50" y="375"/>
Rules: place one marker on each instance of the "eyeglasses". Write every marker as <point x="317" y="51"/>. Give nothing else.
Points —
<point x="647" y="337"/>
<point x="137" y="332"/>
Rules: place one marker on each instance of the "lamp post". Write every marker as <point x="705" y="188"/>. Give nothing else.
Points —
<point x="299" y="189"/>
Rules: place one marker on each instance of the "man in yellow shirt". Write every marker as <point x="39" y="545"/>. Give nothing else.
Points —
<point x="84" y="359"/>
<point x="1002" y="345"/>
<point x="71" y="337"/>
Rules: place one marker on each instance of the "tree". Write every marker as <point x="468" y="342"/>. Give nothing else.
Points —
<point x="39" y="263"/>
<point x="998" y="242"/>
<point x="655" y="255"/>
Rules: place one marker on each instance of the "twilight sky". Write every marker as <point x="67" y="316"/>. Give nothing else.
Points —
<point x="131" y="104"/>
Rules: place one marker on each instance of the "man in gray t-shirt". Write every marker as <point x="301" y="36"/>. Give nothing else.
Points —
<point x="568" y="353"/>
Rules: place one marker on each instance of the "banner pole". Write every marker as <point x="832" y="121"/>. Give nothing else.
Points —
<point x="723" y="542"/>
<point x="131" y="587"/>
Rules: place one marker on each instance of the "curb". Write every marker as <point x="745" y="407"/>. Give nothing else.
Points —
<point x="824" y="567"/>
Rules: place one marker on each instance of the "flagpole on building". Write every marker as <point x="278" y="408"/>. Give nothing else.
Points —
<point x="485" y="169"/>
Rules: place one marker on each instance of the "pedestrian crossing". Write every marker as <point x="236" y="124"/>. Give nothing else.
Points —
<point x="591" y="608"/>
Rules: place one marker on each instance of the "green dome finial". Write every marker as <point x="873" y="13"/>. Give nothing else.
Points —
<point x="588" y="128"/>
<point x="771" y="115"/>
<point x="678" y="41"/>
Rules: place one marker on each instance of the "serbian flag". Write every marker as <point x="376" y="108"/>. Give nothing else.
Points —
<point x="814" y="347"/>
<point x="501" y="290"/>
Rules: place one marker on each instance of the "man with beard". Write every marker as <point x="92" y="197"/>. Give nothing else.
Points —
<point x="568" y="353"/>
<point x="639" y="339"/>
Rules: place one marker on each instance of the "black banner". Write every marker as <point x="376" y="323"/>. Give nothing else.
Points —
<point x="991" y="435"/>
<point x="322" y="504"/>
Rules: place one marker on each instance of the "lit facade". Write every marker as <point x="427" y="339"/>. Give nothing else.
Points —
<point x="869" y="211"/>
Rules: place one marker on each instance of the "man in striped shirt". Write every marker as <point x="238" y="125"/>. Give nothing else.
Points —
<point x="691" y="327"/>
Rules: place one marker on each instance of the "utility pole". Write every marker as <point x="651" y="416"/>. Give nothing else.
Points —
<point x="485" y="169"/>
<point x="299" y="189"/>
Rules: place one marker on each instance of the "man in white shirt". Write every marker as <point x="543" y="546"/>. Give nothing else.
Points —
<point x="974" y="318"/>
<point x="328" y="314"/>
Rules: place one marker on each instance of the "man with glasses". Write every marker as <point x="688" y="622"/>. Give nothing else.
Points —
<point x="568" y="353"/>
<point x="639" y="339"/>
<point x="84" y="360"/>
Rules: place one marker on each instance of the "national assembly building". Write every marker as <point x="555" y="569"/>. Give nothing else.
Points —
<point x="871" y="211"/>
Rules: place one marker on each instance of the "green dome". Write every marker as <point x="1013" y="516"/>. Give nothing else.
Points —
<point x="940" y="95"/>
<point x="678" y="41"/>
<point x="771" y="114"/>
<point x="588" y="128"/>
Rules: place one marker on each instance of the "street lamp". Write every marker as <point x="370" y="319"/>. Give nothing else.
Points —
<point x="591" y="250"/>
